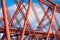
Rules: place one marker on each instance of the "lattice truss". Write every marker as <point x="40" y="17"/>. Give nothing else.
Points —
<point x="29" y="23"/>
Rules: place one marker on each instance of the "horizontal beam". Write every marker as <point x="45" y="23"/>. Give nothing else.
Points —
<point x="19" y="30"/>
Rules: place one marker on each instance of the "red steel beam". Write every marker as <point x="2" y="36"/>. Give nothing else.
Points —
<point x="9" y="16"/>
<point x="25" y="22"/>
<point x="51" y="6"/>
<point x="5" y="20"/>
<point x="52" y="19"/>
<point x="14" y="30"/>
<point x="16" y="12"/>
<point x="23" y="15"/>
<point x="48" y="17"/>
<point x="40" y="23"/>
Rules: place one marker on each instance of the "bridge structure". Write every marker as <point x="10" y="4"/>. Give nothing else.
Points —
<point x="25" y="31"/>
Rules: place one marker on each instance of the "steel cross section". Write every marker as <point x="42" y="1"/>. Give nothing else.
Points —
<point x="5" y="20"/>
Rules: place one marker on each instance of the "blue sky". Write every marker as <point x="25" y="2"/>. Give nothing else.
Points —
<point x="11" y="2"/>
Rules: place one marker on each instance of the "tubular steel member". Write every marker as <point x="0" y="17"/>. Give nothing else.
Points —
<point x="48" y="33"/>
<point x="40" y="23"/>
<point x="27" y="31"/>
<point x="25" y="22"/>
<point x="23" y="15"/>
<point x="16" y="12"/>
<point x="48" y="18"/>
<point x="9" y="16"/>
<point x="5" y="20"/>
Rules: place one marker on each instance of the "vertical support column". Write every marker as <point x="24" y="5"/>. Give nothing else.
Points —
<point x="48" y="33"/>
<point x="5" y="20"/>
<point x="26" y="20"/>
